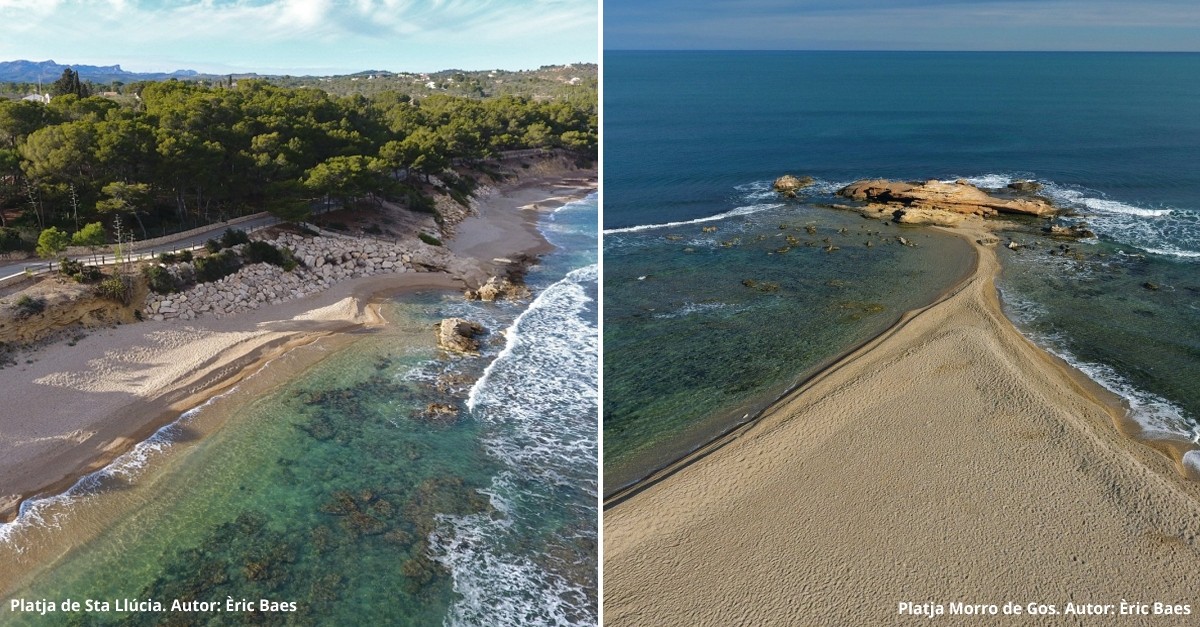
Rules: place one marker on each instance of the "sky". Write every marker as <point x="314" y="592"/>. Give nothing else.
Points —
<point x="301" y="36"/>
<point x="1124" y="25"/>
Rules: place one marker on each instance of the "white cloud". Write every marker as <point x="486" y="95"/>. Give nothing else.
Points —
<point x="255" y="34"/>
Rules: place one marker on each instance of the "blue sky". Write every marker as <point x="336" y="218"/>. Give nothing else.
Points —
<point x="1143" y="25"/>
<point x="301" y="36"/>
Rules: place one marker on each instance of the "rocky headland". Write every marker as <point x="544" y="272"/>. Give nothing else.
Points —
<point x="930" y="202"/>
<point x="936" y="202"/>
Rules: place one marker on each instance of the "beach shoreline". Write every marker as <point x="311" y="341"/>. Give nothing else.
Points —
<point x="917" y="439"/>
<point x="78" y="407"/>
<point x="626" y="491"/>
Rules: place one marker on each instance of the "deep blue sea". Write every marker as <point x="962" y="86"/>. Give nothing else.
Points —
<point x="693" y="139"/>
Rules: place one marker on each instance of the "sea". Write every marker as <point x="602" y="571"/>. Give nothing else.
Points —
<point x="720" y="296"/>
<point x="332" y="495"/>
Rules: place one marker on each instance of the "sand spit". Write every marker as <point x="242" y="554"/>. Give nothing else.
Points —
<point x="949" y="460"/>
<point x="73" y="408"/>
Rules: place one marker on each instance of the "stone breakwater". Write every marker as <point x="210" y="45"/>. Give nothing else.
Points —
<point x="324" y="260"/>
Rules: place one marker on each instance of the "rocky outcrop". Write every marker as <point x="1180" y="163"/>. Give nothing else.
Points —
<point x="927" y="216"/>
<point x="788" y="184"/>
<point x="498" y="288"/>
<point x="457" y="335"/>
<point x="936" y="202"/>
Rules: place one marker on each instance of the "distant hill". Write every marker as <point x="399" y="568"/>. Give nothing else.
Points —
<point x="48" y="71"/>
<point x="549" y="82"/>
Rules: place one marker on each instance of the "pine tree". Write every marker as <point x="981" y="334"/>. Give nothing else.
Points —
<point x="69" y="83"/>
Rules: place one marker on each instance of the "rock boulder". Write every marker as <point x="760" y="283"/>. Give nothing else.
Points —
<point x="457" y="335"/>
<point x="788" y="184"/>
<point x="498" y="288"/>
<point x="1031" y="187"/>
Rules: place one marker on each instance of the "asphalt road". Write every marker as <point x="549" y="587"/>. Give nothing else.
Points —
<point x="13" y="268"/>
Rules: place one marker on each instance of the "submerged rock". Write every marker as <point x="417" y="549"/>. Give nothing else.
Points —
<point x="458" y="336"/>
<point x="762" y="286"/>
<point x="439" y="413"/>
<point x="1074" y="231"/>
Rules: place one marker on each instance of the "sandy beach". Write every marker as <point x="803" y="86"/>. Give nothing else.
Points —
<point x="948" y="460"/>
<point x="72" y="408"/>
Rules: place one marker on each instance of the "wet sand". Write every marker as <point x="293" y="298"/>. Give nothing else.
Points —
<point x="948" y="460"/>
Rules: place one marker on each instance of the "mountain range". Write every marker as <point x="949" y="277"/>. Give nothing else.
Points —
<point x="48" y="71"/>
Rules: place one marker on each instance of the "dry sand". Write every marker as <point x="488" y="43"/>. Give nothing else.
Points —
<point x="492" y="232"/>
<point x="75" y="408"/>
<point x="950" y="460"/>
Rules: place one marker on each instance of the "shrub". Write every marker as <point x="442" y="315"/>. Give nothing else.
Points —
<point x="416" y="200"/>
<point x="262" y="252"/>
<point x="185" y="256"/>
<point x="69" y="267"/>
<point x="116" y="288"/>
<point x="28" y="305"/>
<point x="460" y="189"/>
<point x="429" y="239"/>
<point x="10" y="240"/>
<point x="212" y="246"/>
<point x="161" y="281"/>
<point x="216" y="267"/>
<point x="88" y="274"/>
<point x="168" y="258"/>
<point x="233" y="237"/>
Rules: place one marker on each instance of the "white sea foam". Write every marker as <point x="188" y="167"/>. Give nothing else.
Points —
<point x="498" y="587"/>
<point x="565" y="297"/>
<point x="690" y="308"/>
<point x="740" y="211"/>
<point x="1155" y="414"/>
<point x="989" y="181"/>
<point x="539" y="397"/>
<point x="1191" y="460"/>
<point x="1168" y="231"/>
<point x="1171" y="251"/>
<point x="577" y="204"/>
<point x="757" y="191"/>
<point x="1091" y="200"/>
<point x="49" y="511"/>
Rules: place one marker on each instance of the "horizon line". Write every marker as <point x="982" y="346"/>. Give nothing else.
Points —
<point x="297" y="73"/>
<point x="900" y="50"/>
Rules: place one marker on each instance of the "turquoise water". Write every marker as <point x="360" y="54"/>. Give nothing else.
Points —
<point x="693" y="138"/>
<point x="703" y="330"/>
<point x="338" y="492"/>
